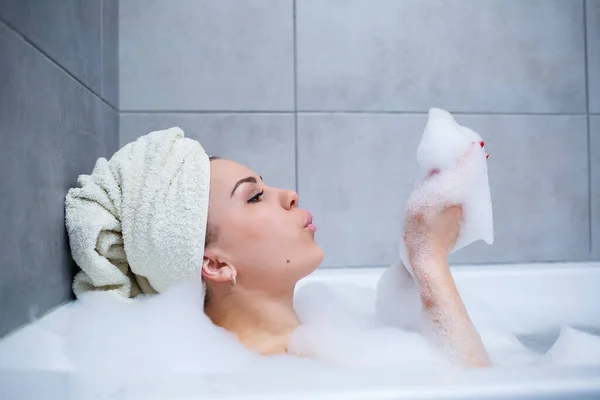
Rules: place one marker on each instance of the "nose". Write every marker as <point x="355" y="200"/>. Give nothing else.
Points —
<point x="289" y="199"/>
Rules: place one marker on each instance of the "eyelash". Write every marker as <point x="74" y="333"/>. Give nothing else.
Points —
<point x="256" y="198"/>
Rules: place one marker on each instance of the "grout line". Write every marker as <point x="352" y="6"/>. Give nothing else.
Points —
<point x="295" y="105"/>
<point x="484" y="113"/>
<point x="589" y="143"/>
<point x="508" y="114"/>
<point x="137" y="112"/>
<point x="53" y="61"/>
<point x="102" y="47"/>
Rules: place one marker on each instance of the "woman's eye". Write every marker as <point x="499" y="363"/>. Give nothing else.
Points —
<point x="256" y="198"/>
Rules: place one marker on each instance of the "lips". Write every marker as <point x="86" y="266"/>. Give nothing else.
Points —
<point x="309" y="222"/>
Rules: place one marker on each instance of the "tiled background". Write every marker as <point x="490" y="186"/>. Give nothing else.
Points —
<point x="330" y="97"/>
<point x="58" y="97"/>
<point x="325" y="96"/>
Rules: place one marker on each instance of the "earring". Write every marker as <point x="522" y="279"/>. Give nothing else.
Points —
<point x="233" y="281"/>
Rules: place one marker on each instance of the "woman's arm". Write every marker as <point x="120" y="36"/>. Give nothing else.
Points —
<point x="449" y="323"/>
<point x="429" y="241"/>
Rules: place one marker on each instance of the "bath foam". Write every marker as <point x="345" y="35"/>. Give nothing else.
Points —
<point x="452" y="170"/>
<point x="574" y="347"/>
<point x="166" y="347"/>
<point x="340" y="325"/>
<point x="112" y="343"/>
<point x="398" y="302"/>
<point x="367" y="348"/>
<point x="344" y="305"/>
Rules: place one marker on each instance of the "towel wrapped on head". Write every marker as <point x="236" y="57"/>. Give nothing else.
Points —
<point x="137" y="224"/>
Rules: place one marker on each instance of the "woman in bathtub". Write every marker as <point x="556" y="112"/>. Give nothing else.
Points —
<point x="146" y="220"/>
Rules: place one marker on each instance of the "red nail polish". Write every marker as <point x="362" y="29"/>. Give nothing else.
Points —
<point x="481" y="143"/>
<point x="487" y="156"/>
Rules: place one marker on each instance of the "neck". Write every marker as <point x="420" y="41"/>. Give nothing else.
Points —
<point x="261" y="322"/>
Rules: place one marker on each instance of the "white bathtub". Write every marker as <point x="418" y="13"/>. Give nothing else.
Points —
<point x="529" y="298"/>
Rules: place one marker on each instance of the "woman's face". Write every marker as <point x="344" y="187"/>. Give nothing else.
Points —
<point x="260" y="235"/>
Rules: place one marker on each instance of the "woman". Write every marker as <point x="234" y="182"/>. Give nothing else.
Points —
<point x="145" y="220"/>
<point x="260" y="244"/>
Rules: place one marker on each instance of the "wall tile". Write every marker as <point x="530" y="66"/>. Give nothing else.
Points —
<point x="263" y="142"/>
<point x="206" y="55"/>
<point x="538" y="169"/>
<point x="595" y="180"/>
<point x="472" y="56"/>
<point x="55" y="129"/>
<point x="355" y="172"/>
<point x="69" y="31"/>
<point x="110" y="51"/>
<point x="593" y="53"/>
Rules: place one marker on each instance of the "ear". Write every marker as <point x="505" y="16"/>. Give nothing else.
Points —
<point x="215" y="270"/>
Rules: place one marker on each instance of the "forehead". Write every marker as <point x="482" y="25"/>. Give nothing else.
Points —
<point x="225" y="173"/>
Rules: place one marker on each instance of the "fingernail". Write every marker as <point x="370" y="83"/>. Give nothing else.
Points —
<point x="487" y="156"/>
<point x="481" y="143"/>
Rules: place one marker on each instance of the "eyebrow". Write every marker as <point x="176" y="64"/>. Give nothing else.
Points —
<point x="249" y="179"/>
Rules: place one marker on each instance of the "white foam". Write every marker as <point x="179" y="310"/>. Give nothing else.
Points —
<point x="367" y="348"/>
<point x="505" y="349"/>
<point x="342" y="326"/>
<point x="165" y="347"/>
<point x="398" y="302"/>
<point x="574" y="347"/>
<point x="453" y="170"/>
<point x="343" y="305"/>
<point x="17" y="352"/>
<point x="110" y="341"/>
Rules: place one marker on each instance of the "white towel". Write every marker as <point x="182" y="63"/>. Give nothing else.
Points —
<point x="453" y="170"/>
<point x="137" y="223"/>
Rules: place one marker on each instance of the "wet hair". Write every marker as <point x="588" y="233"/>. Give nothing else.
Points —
<point x="211" y="231"/>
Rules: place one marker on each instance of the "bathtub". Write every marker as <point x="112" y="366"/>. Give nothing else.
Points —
<point x="533" y="299"/>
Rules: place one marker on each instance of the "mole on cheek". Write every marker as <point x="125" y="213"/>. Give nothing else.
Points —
<point x="287" y="261"/>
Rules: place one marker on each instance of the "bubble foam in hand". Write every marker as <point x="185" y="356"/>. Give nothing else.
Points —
<point x="453" y="170"/>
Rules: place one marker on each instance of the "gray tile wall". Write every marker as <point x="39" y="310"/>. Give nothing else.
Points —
<point x="593" y="70"/>
<point x="54" y="124"/>
<point x="79" y="35"/>
<point x="468" y="55"/>
<point x="593" y="54"/>
<point x="330" y="97"/>
<point x="263" y="142"/>
<point x="595" y="182"/>
<point x="359" y="201"/>
<point x="206" y="55"/>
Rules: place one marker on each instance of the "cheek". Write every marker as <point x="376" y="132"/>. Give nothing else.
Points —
<point x="267" y="222"/>
<point x="256" y="231"/>
<point x="274" y="233"/>
<point x="266" y="235"/>
<point x="272" y="244"/>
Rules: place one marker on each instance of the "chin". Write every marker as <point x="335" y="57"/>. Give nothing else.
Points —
<point x="314" y="258"/>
